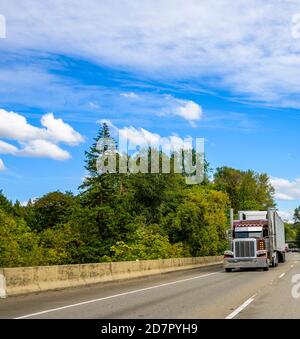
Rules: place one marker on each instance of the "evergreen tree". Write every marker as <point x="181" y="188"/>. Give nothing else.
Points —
<point x="97" y="187"/>
<point x="94" y="152"/>
<point x="297" y="215"/>
<point x="5" y="204"/>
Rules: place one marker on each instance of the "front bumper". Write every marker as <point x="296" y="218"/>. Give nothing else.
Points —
<point x="245" y="263"/>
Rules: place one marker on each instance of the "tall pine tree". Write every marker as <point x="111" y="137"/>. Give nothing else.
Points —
<point x="98" y="187"/>
<point x="93" y="154"/>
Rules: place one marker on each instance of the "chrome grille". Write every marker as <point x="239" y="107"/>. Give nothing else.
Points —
<point x="243" y="249"/>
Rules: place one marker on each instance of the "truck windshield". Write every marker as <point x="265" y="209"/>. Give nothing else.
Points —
<point x="248" y="234"/>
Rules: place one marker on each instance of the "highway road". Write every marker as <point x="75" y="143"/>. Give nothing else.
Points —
<point x="194" y="294"/>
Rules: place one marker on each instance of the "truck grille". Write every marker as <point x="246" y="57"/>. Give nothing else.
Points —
<point x="243" y="249"/>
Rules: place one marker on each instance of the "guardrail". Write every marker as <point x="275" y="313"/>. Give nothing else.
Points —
<point x="23" y="280"/>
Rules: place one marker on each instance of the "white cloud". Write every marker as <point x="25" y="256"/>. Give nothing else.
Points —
<point x="168" y="105"/>
<point x="6" y="148"/>
<point x="286" y="189"/>
<point x="144" y="138"/>
<point x="130" y="95"/>
<point x="139" y="136"/>
<point x="43" y="148"/>
<point x="188" y="110"/>
<point x="59" y="131"/>
<point x="36" y="141"/>
<point x="247" y="46"/>
<point x="283" y="196"/>
<point x="15" y="126"/>
<point x="107" y="122"/>
<point x="2" y="167"/>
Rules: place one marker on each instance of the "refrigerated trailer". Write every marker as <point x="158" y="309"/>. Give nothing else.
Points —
<point x="257" y="240"/>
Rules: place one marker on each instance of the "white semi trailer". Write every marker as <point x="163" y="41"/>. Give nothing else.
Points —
<point x="257" y="240"/>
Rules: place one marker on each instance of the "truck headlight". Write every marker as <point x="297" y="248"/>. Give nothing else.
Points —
<point x="228" y="254"/>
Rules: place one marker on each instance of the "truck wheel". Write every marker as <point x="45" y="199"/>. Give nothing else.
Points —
<point x="282" y="257"/>
<point x="266" y="268"/>
<point x="228" y="270"/>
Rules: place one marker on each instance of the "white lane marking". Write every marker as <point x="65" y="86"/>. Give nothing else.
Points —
<point x="240" y="308"/>
<point x="115" y="296"/>
<point x="281" y="275"/>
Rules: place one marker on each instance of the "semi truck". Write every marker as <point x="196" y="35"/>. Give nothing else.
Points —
<point x="256" y="240"/>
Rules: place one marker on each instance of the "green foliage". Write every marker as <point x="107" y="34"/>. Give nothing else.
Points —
<point x="129" y="216"/>
<point x="94" y="152"/>
<point x="247" y="190"/>
<point x="297" y="215"/>
<point x="99" y="189"/>
<point x="147" y="244"/>
<point x="19" y="246"/>
<point x="200" y="221"/>
<point x="290" y="232"/>
<point x="5" y="204"/>
<point x="60" y="244"/>
<point x="51" y="209"/>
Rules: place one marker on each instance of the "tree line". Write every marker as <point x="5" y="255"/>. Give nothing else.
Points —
<point x="292" y="230"/>
<point x="116" y="217"/>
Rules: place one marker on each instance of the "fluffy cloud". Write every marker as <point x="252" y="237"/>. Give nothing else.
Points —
<point x="188" y="110"/>
<point x="6" y="148"/>
<point x="142" y="137"/>
<point x="36" y="141"/>
<point x="286" y="189"/>
<point x="247" y="46"/>
<point x="2" y="167"/>
<point x="169" y="105"/>
<point x="59" y="131"/>
<point x="139" y="136"/>
<point x="15" y="126"/>
<point x="44" y="148"/>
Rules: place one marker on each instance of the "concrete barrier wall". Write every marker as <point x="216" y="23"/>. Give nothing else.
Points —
<point x="23" y="280"/>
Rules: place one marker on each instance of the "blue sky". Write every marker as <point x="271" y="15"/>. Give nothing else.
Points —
<point x="228" y="73"/>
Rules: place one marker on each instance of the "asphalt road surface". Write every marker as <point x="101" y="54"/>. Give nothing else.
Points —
<point x="193" y="294"/>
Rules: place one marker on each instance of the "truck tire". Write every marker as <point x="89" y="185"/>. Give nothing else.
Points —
<point x="228" y="270"/>
<point x="273" y="262"/>
<point x="266" y="268"/>
<point x="282" y="257"/>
